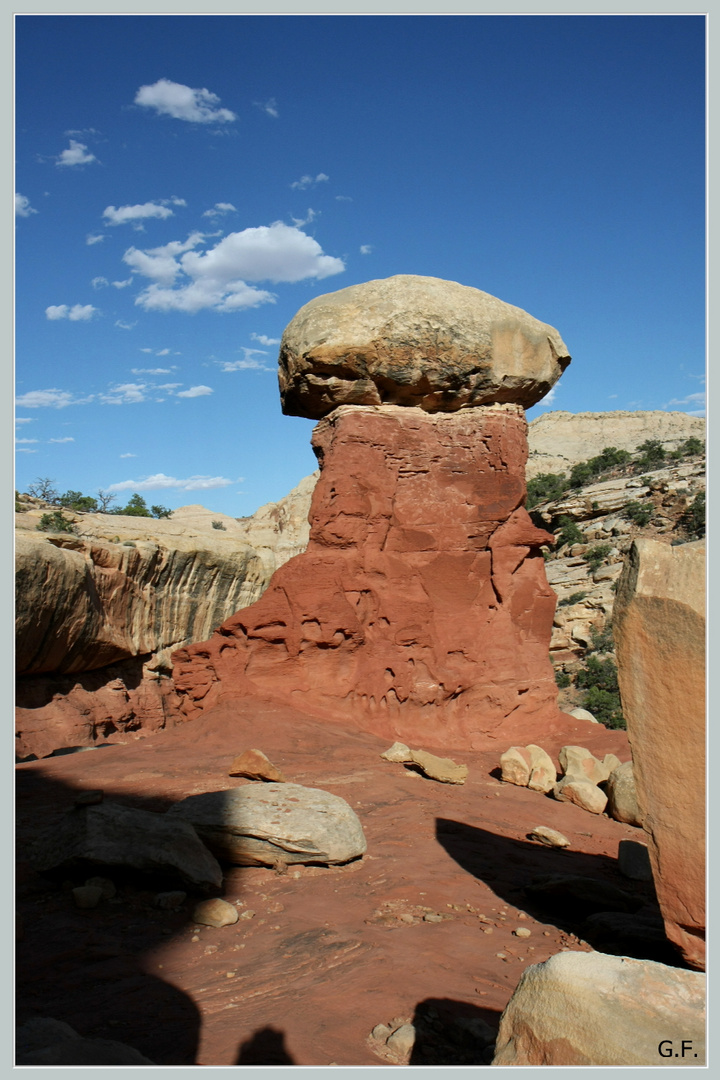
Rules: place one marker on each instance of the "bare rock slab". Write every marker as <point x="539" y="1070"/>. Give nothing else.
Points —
<point x="255" y="765"/>
<point x="594" y="1009"/>
<point x="274" y="824"/>
<point x="418" y="341"/>
<point x="112" y="835"/>
<point x="443" y="770"/>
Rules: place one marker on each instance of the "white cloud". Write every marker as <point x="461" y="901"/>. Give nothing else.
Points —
<point x="76" y="154"/>
<point x="121" y="215"/>
<point x="123" y="284"/>
<point x="309" y="181"/>
<point x="218" y="277"/>
<point x="219" y="209"/>
<point x="24" y="419"/>
<point x="125" y="394"/>
<point x="125" y="325"/>
<point x="94" y="238"/>
<point x="170" y="386"/>
<point x="195" y="391"/>
<point x="25" y="450"/>
<point x="549" y="397"/>
<point x="56" y="399"/>
<point x="269" y="106"/>
<point x="365" y="249"/>
<point x="128" y="455"/>
<point x="310" y="216"/>
<point x="67" y="438"/>
<point x="18" y="441"/>
<point x="344" y="198"/>
<point x="99" y="282"/>
<point x="161" y="482"/>
<point x="247" y="364"/>
<point x="153" y="371"/>
<point x="76" y="313"/>
<point x="163" y="352"/>
<point x="265" y="340"/>
<point x="693" y="404"/>
<point x="22" y="206"/>
<point x="183" y="103"/>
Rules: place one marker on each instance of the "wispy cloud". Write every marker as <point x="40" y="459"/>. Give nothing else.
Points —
<point x="94" y="238"/>
<point x="219" y="209"/>
<point x="66" y="438"/>
<point x="24" y="419"/>
<point x="161" y="482"/>
<point x="218" y="278"/>
<point x="125" y="394"/>
<point x="344" y="198"/>
<point x="269" y="107"/>
<point x="309" y="181"/>
<point x="99" y="282"/>
<point x="694" y="404"/>
<point x="183" y="103"/>
<point x="152" y="371"/>
<point x="124" y="215"/>
<point x="122" y="284"/>
<point x="128" y="455"/>
<point x="76" y="154"/>
<point x="18" y="441"/>
<point x="76" y="313"/>
<point x="549" y="397"/>
<point x="195" y="391"/>
<point x="248" y="364"/>
<point x="125" y="325"/>
<point x="365" y="249"/>
<point x="309" y="217"/>
<point x="22" y="206"/>
<point x="265" y="340"/>
<point x="55" y="399"/>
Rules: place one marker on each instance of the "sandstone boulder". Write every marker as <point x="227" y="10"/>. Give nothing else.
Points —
<point x="582" y="793"/>
<point x="549" y="837"/>
<point x="397" y="752"/>
<point x="589" y="1009"/>
<point x="215" y="912"/>
<point x="515" y="766"/>
<point x="255" y="765"/>
<point x="634" y="860"/>
<point x="444" y="770"/>
<point x="417" y="341"/>
<point x="542" y="769"/>
<point x="274" y="824"/>
<point x="622" y="795"/>
<point x="111" y="835"/>
<point x="659" y="626"/>
<point x="580" y="764"/>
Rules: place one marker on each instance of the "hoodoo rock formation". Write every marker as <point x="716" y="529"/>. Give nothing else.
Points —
<point x="420" y="608"/>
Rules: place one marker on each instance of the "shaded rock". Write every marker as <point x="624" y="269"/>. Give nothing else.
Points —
<point x="415" y="341"/>
<point x="577" y="894"/>
<point x="89" y="798"/>
<point x="622" y="795"/>
<point x="45" y="1041"/>
<point x="443" y="769"/>
<point x="87" y="896"/>
<point x="634" y="860"/>
<point x="114" y="835"/>
<point x="255" y="766"/>
<point x="274" y="824"/>
<point x="582" y="793"/>
<point x="397" y="752"/>
<point x="659" y="626"/>
<point x="170" y="901"/>
<point x="215" y="912"/>
<point x="549" y="837"/>
<point x="105" y="885"/>
<point x="593" y="1009"/>
<point x="621" y="933"/>
<point x="579" y="763"/>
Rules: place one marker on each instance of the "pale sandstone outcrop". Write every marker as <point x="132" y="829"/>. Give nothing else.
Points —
<point x="593" y="1009"/>
<point x="558" y="440"/>
<point x="659" y="625"/>
<point x="419" y="341"/>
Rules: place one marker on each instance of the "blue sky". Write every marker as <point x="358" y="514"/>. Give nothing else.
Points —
<point x="186" y="183"/>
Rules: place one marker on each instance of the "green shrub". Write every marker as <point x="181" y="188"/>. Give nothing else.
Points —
<point x="219" y="525"/>
<point x="595" y="556"/>
<point x="606" y="707"/>
<point x="638" y="513"/>
<point x="75" y="500"/>
<point x="573" y="598"/>
<point x="160" y="511"/>
<point x="652" y="453"/>
<point x="602" y="698"/>
<point x="601" y="640"/>
<point x="569" y="533"/>
<point x="692" y="446"/>
<point x="693" y="519"/>
<point x="545" y="487"/>
<point x="55" y="522"/>
<point x="562" y="679"/>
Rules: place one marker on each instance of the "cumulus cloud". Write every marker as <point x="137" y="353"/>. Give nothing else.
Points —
<point x="56" y="399"/>
<point x="195" y="391"/>
<point x="94" y="238"/>
<point x="309" y="181"/>
<point x="181" y="102"/>
<point x="76" y="313"/>
<point x="365" y="249"/>
<point x="218" y="278"/>
<point x="67" y="438"/>
<point x="22" y="206"/>
<point x="219" y="209"/>
<point x="160" y="482"/>
<point x="269" y="106"/>
<point x="122" y="215"/>
<point x="125" y="394"/>
<point x="163" y="352"/>
<point x="76" y="154"/>
<point x="265" y="340"/>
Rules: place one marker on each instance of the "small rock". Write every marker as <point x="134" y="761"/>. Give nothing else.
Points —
<point x="402" y="1040"/>
<point x="522" y="932"/>
<point x="381" y="1032"/>
<point x="106" y="886"/>
<point x="397" y="752"/>
<point x="87" y="896"/>
<point x="406" y="917"/>
<point x="444" y="770"/>
<point x="254" y="765"/>
<point x="170" y="901"/>
<point x="550" y="837"/>
<point x="247" y="914"/>
<point x="215" y="912"/>
<point x="432" y="917"/>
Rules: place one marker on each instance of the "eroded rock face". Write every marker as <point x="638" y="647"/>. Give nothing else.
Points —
<point x="417" y="341"/>
<point x="659" y="627"/>
<point x="420" y="609"/>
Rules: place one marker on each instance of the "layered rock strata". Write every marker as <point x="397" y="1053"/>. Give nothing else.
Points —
<point x="659" y="626"/>
<point x="420" y="608"/>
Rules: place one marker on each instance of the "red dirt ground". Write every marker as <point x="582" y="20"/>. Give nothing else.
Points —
<point x="326" y="955"/>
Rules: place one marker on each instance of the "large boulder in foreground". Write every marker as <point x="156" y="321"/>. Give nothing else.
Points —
<point x="593" y="1009"/>
<point x="659" y="628"/>
<point x="273" y="824"/>
<point x="410" y="340"/>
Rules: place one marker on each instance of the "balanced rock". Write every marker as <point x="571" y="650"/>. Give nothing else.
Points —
<point x="113" y="835"/>
<point x="588" y="1009"/>
<point x="254" y="765"/>
<point x="417" y="341"/>
<point x="622" y="795"/>
<point x="659" y="627"/>
<point x="274" y="824"/>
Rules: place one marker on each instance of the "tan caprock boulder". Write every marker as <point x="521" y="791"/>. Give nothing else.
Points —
<point x="593" y="1009"/>
<point x="409" y="340"/>
<point x="659" y="627"/>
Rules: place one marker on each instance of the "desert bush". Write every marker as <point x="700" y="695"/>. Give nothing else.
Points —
<point x="693" y="519"/>
<point x="545" y="487"/>
<point x="638" y="513"/>
<point x="55" y="522"/>
<point x="569" y="533"/>
<point x="595" y="556"/>
<point x="562" y="679"/>
<point x="573" y="598"/>
<point x="75" y="500"/>
<point x="692" y="446"/>
<point x="219" y="525"/>
<point x="652" y="454"/>
<point x="160" y="511"/>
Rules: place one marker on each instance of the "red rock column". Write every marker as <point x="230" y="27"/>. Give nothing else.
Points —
<point x="420" y="609"/>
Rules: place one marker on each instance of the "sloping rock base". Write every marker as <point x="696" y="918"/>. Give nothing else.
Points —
<point x="420" y="609"/>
